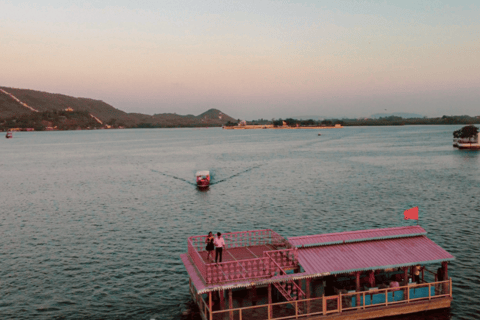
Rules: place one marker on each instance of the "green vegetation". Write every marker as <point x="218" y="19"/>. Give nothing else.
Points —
<point x="399" y="121"/>
<point x="466" y="132"/>
<point x="60" y="120"/>
<point x="306" y="123"/>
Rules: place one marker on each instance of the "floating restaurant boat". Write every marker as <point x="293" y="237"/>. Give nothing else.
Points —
<point x="9" y="135"/>
<point x="348" y="275"/>
<point x="469" y="141"/>
<point x="203" y="179"/>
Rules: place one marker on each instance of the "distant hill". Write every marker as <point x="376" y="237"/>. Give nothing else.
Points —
<point x="396" y="114"/>
<point x="15" y="103"/>
<point x="44" y="101"/>
<point x="316" y="118"/>
<point x="212" y="117"/>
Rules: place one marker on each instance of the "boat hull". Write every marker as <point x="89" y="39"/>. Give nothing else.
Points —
<point x="470" y="146"/>
<point x="201" y="184"/>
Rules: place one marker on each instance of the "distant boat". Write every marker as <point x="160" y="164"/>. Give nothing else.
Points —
<point x="9" y="135"/>
<point x="203" y="179"/>
<point x="467" y="138"/>
<point x="319" y="134"/>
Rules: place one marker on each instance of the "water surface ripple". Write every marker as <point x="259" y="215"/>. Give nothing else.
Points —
<point x="93" y="222"/>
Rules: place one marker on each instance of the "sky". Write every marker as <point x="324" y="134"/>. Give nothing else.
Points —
<point x="250" y="59"/>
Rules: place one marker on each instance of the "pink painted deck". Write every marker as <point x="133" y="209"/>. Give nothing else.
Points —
<point x="356" y="236"/>
<point x="240" y="253"/>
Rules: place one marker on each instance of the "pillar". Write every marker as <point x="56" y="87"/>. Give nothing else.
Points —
<point x="221" y="293"/>
<point x="445" y="286"/>
<point x="269" y="300"/>
<point x="405" y="276"/>
<point x="371" y="278"/>
<point x="357" y="287"/>
<point x="230" y="303"/>
<point x="210" y="305"/>
<point x="254" y="296"/>
<point x="445" y="270"/>
<point x="307" y="293"/>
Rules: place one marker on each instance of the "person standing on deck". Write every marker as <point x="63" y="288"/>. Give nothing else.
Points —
<point x="219" y="245"/>
<point x="209" y="241"/>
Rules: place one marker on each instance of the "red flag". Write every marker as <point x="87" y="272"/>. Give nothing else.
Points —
<point x="411" y="214"/>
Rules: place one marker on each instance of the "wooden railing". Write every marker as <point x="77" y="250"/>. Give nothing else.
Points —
<point x="335" y="304"/>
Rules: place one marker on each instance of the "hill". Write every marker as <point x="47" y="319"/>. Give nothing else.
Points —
<point x="31" y="107"/>
<point x="403" y="115"/>
<point x="44" y="101"/>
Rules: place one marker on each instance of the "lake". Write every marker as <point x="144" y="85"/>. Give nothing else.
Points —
<point x="93" y="222"/>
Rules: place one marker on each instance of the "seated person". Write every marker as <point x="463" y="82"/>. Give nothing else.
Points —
<point x="394" y="283"/>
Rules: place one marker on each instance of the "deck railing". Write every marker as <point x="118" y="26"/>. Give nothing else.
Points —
<point x="328" y="305"/>
<point x="237" y="270"/>
<point x="244" y="269"/>
<point x="244" y="239"/>
<point x="283" y="259"/>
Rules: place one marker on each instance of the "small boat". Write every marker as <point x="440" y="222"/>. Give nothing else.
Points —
<point x="9" y="135"/>
<point x="203" y="179"/>
<point x="319" y="134"/>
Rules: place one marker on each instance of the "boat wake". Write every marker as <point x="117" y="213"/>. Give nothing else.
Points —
<point x="235" y="175"/>
<point x="174" y="177"/>
<point x="213" y="182"/>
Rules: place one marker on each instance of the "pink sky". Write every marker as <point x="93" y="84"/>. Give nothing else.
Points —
<point x="249" y="59"/>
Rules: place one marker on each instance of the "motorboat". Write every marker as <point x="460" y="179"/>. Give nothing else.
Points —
<point x="203" y="178"/>
<point x="9" y="135"/>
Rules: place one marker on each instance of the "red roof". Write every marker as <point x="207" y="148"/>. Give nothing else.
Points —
<point x="371" y="255"/>
<point x="356" y="236"/>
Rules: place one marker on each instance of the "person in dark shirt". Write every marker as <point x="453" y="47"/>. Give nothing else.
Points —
<point x="210" y="247"/>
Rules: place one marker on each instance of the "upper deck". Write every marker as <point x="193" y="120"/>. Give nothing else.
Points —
<point x="248" y="255"/>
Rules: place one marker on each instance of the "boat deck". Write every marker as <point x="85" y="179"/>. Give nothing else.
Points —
<point x="240" y="253"/>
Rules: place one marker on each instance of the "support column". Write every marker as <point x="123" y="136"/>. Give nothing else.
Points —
<point x="445" y="288"/>
<point x="210" y="305"/>
<point x="357" y="287"/>
<point x="269" y="300"/>
<point x="405" y="276"/>
<point x="230" y="303"/>
<point x="405" y="282"/>
<point x="221" y="293"/>
<point x="307" y="293"/>
<point x="371" y="278"/>
<point x="254" y="296"/>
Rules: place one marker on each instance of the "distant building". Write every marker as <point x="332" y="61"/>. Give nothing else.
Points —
<point x="242" y="123"/>
<point x="69" y="109"/>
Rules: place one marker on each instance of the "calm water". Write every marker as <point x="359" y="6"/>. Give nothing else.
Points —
<point x="92" y="222"/>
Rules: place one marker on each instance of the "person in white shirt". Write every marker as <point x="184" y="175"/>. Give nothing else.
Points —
<point x="219" y="245"/>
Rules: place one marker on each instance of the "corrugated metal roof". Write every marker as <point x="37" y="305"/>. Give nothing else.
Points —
<point x="202" y="288"/>
<point x="371" y="255"/>
<point x="356" y="236"/>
